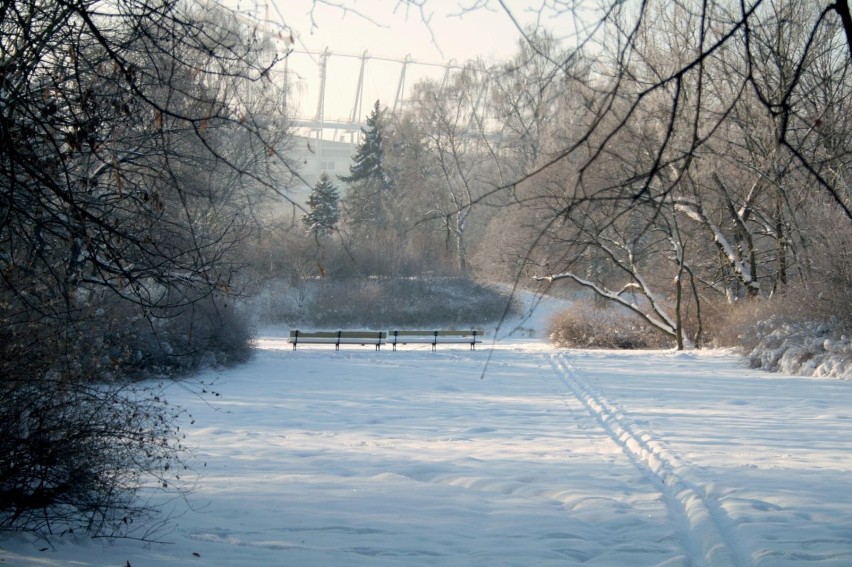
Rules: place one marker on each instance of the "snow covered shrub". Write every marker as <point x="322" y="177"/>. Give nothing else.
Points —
<point x="800" y="347"/>
<point x="120" y="341"/>
<point x="386" y="302"/>
<point x="407" y="302"/>
<point x="588" y="326"/>
<point x="800" y="332"/>
<point x="806" y="328"/>
<point x="210" y="332"/>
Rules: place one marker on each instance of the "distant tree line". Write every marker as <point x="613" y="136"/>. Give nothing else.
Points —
<point x="678" y="160"/>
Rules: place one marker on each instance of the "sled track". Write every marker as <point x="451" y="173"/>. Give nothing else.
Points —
<point x="708" y="536"/>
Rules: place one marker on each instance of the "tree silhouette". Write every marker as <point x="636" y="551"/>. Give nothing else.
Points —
<point x="368" y="181"/>
<point x="136" y="139"/>
<point x="323" y="213"/>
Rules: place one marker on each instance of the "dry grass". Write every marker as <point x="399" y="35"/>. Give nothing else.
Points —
<point x="588" y="326"/>
<point x="741" y="325"/>
<point x="382" y="302"/>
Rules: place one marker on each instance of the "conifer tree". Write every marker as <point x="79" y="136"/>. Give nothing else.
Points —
<point x="323" y="212"/>
<point x="368" y="181"/>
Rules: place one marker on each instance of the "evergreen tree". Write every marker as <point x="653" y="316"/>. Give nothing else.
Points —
<point x="368" y="181"/>
<point x="323" y="211"/>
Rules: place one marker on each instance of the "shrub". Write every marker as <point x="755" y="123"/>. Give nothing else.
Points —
<point x="210" y="332"/>
<point x="799" y="332"/>
<point x="385" y="302"/>
<point x="800" y="347"/>
<point x="80" y="432"/>
<point x="74" y="452"/>
<point x="588" y="326"/>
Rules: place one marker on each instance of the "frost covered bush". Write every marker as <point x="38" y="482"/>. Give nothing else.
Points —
<point x="73" y="458"/>
<point x="587" y="326"/>
<point x="79" y="434"/>
<point x="408" y="302"/>
<point x="805" y="332"/>
<point x="123" y="342"/>
<point x="382" y="302"/>
<point x="801" y="347"/>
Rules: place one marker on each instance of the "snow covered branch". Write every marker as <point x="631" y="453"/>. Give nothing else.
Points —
<point x="663" y="324"/>
<point x="694" y="210"/>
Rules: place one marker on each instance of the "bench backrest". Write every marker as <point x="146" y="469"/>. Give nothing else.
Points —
<point x="338" y="334"/>
<point x="438" y="333"/>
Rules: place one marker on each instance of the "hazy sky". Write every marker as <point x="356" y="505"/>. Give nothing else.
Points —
<point x="389" y="29"/>
<point x="440" y="33"/>
<point x="443" y="31"/>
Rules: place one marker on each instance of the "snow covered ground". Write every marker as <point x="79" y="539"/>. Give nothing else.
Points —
<point x="514" y="454"/>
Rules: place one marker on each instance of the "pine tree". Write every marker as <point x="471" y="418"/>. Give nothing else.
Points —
<point x="368" y="181"/>
<point x="323" y="212"/>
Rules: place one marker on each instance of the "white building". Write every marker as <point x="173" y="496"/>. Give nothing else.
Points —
<point x="313" y="157"/>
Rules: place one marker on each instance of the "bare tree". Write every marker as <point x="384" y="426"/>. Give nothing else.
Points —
<point x="713" y="113"/>
<point x="738" y="35"/>
<point x="526" y="94"/>
<point x="135" y="136"/>
<point x="461" y="161"/>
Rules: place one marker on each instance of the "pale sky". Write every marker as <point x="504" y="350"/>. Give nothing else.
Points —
<point x="390" y="29"/>
<point x="441" y="33"/>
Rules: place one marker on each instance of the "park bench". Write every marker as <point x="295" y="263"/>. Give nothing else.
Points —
<point x="436" y="337"/>
<point x="338" y="338"/>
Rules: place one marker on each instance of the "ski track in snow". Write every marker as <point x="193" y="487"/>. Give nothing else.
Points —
<point x="708" y="537"/>
<point x="359" y="458"/>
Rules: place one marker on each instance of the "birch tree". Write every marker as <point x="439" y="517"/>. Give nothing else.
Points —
<point x="462" y="163"/>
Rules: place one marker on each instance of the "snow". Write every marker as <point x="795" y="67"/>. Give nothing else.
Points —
<point x="801" y="348"/>
<point x="513" y="454"/>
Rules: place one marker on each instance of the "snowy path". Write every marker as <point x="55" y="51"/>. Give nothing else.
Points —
<point x="707" y="529"/>
<point x="759" y="463"/>
<point x="364" y="458"/>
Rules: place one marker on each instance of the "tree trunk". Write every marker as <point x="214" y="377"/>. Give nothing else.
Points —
<point x="678" y="315"/>
<point x="842" y="7"/>
<point x="780" y="242"/>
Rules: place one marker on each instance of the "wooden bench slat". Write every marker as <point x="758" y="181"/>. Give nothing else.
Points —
<point x="337" y="338"/>
<point x="435" y="337"/>
<point x="439" y="333"/>
<point x="336" y="334"/>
